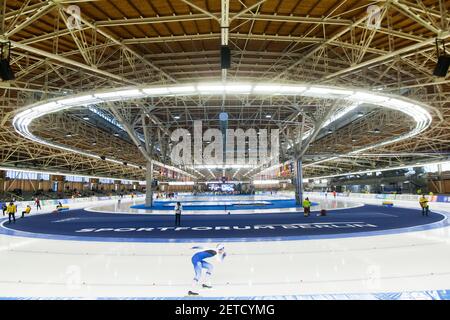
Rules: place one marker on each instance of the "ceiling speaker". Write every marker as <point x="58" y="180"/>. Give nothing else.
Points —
<point x="6" y="72"/>
<point x="442" y="66"/>
<point x="225" y="57"/>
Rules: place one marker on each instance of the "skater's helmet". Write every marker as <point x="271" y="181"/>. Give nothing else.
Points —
<point x="220" y="247"/>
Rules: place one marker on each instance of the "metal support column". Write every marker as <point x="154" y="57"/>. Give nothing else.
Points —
<point x="298" y="182"/>
<point x="440" y="181"/>
<point x="224" y="27"/>
<point x="148" y="184"/>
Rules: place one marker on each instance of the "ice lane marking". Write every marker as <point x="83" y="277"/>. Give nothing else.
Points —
<point x="367" y="215"/>
<point x="65" y="220"/>
<point x="276" y="252"/>
<point x="224" y="284"/>
<point x="302" y="224"/>
<point x="385" y="214"/>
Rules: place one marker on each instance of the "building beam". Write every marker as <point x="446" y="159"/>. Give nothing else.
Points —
<point x="414" y="16"/>
<point x="298" y="182"/>
<point x="385" y="57"/>
<point x="74" y="63"/>
<point x="243" y="16"/>
<point x="153" y="20"/>
<point x="317" y="127"/>
<point x="125" y="47"/>
<point x="130" y="131"/>
<point x="149" y="172"/>
<point x="189" y="3"/>
<point x="2" y="16"/>
<point x="321" y="46"/>
<point x="224" y="29"/>
<point x="42" y="10"/>
<point x="237" y="15"/>
<point x="243" y="36"/>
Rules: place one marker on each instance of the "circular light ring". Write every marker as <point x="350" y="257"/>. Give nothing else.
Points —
<point x="414" y="109"/>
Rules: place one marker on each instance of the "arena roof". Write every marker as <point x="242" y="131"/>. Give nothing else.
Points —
<point x="163" y="43"/>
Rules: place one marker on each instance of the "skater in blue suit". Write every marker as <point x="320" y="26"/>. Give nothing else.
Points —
<point x="199" y="263"/>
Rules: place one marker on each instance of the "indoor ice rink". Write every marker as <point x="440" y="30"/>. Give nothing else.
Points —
<point x="225" y="149"/>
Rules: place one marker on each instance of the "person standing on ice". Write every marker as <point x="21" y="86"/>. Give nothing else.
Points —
<point x="199" y="263"/>
<point x="423" y="201"/>
<point x="38" y="204"/>
<point x="178" y="209"/>
<point x="306" y="207"/>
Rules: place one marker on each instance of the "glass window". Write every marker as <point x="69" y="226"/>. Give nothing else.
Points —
<point x="106" y="181"/>
<point x="77" y="179"/>
<point x="44" y="176"/>
<point x="446" y="166"/>
<point x="431" y="168"/>
<point x="12" y="174"/>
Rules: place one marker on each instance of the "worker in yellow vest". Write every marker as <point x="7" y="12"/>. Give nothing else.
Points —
<point x="306" y="207"/>
<point x="12" y="209"/>
<point x="27" y="211"/>
<point x="423" y="201"/>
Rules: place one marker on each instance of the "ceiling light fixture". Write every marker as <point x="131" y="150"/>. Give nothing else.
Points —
<point x="416" y="110"/>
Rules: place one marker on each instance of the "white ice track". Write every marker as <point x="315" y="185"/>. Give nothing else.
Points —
<point x="404" y="262"/>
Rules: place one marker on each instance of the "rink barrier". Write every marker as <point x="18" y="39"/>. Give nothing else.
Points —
<point x="71" y="201"/>
<point x="370" y="196"/>
<point x="404" y="197"/>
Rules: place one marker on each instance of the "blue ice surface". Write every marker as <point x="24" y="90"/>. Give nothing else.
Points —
<point x="233" y="227"/>
<point x="190" y="205"/>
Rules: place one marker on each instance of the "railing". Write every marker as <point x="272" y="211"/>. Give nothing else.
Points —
<point x="406" y="197"/>
<point x="13" y="195"/>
